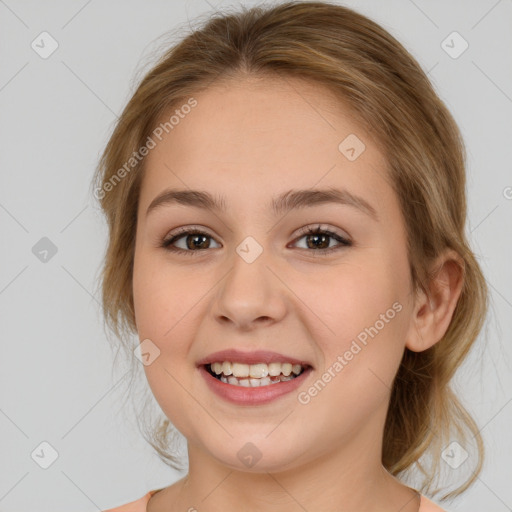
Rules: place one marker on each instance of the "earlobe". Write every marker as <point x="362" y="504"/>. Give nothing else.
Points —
<point x="433" y="308"/>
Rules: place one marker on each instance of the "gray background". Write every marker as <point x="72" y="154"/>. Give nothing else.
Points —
<point x="57" y="383"/>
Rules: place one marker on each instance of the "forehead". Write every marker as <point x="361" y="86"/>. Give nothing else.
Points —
<point x="255" y="138"/>
<point x="255" y="114"/>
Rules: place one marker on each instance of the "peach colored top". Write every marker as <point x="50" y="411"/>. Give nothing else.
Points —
<point x="141" y="504"/>
<point x="135" y="506"/>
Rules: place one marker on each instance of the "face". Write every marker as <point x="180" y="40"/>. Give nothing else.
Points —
<point x="246" y="276"/>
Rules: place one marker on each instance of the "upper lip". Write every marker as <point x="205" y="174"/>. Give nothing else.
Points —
<point x="254" y="357"/>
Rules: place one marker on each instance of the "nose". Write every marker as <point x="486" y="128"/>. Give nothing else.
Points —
<point x="251" y="295"/>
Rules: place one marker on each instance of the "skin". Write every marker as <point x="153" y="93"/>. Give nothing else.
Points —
<point x="249" y="141"/>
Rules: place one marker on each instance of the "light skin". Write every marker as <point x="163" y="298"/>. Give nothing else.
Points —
<point x="250" y="141"/>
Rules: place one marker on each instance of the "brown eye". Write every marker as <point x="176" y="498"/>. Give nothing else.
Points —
<point x="197" y="241"/>
<point x="319" y="240"/>
<point x="188" y="241"/>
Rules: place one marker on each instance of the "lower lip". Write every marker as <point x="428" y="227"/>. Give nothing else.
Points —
<point x="241" y="395"/>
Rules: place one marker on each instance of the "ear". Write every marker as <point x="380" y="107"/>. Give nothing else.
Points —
<point x="433" y="310"/>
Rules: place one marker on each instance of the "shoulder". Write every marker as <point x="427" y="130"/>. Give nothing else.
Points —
<point x="429" y="506"/>
<point x="139" y="505"/>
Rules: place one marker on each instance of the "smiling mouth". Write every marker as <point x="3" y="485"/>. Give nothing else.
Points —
<point x="254" y="375"/>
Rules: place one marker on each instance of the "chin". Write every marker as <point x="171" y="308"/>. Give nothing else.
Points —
<point x="259" y="456"/>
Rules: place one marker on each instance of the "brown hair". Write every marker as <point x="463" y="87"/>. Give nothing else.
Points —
<point x="375" y="76"/>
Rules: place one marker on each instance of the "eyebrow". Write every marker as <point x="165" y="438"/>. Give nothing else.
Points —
<point x="293" y="199"/>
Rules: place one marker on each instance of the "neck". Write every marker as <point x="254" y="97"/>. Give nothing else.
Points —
<point x="345" y="475"/>
<point x="344" y="480"/>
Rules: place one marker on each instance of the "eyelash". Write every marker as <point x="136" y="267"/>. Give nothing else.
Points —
<point x="309" y="230"/>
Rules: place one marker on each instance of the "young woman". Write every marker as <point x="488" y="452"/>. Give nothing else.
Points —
<point x="285" y="196"/>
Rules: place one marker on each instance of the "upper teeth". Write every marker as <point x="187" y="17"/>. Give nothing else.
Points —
<point x="259" y="370"/>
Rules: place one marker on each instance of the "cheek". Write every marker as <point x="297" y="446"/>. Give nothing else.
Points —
<point x="159" y="296"/>
<point x="169" y="307"/>
<point x="146" y="300"/>
<point x="164" y="314"/>
<point x="363" y="307"/>
<point x="353" y="295"/>
<point x="362" y="312"/>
